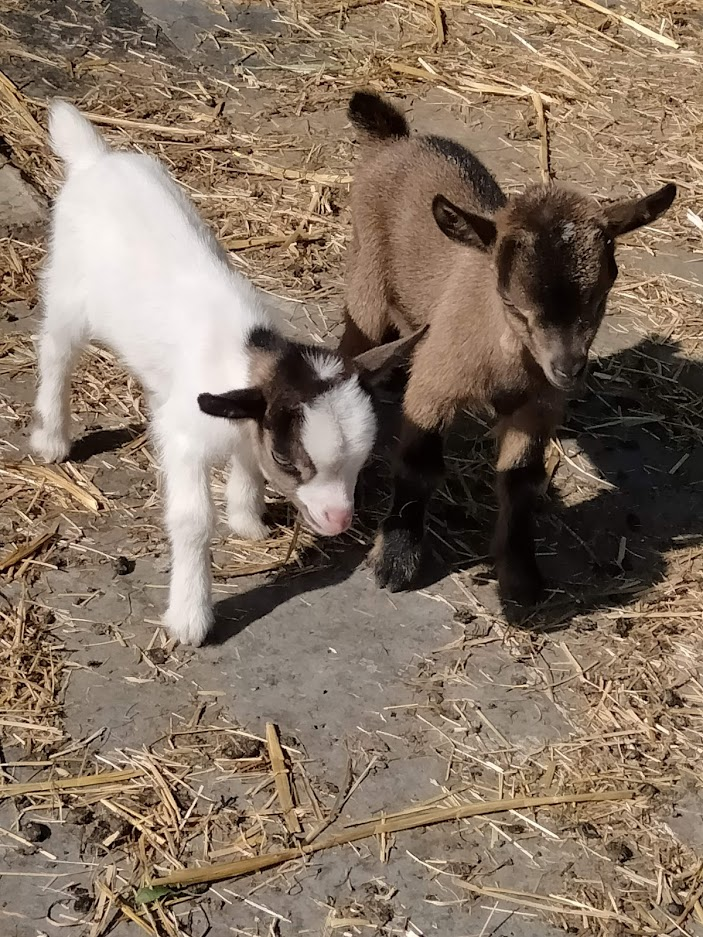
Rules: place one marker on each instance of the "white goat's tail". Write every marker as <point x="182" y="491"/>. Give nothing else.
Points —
<point x="73" y="138"/>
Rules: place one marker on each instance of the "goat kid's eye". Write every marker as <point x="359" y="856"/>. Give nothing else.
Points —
<point x="281" y="460"/>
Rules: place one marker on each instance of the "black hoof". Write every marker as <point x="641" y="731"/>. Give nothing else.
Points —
<point x="396" y="560"/>
<point x="520" y="583"/>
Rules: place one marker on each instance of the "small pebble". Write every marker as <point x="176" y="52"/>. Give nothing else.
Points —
<point x="675" y="909"/>
<point x="633" y="521"/>
<point x="464" y="616"/>
<point x="157" y="655"/>
<point x="619" y="852"/>
<point x="124" y="566"/>
<point x="35" y="832"/>
<point x="83" y="904"/>
<point x="82" y="900"/>
<point x="672" y="699"/>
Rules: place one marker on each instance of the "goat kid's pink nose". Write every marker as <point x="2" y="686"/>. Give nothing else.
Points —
<point x="339" y="519"/>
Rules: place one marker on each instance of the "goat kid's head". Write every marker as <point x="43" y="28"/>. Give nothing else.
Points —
<point x="313" y="418"/>
<point x="554" y="259"/>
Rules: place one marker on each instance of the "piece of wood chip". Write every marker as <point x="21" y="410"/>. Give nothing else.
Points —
<point x="281" y="778"/>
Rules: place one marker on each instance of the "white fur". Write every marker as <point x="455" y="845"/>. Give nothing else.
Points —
<point x="339" y="428"/>
<point x="132" y="266"/>
<point x="327" y="367"/>
<point x="568" y="232"/>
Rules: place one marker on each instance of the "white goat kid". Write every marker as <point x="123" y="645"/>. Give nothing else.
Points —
<point x="132" y="266"/>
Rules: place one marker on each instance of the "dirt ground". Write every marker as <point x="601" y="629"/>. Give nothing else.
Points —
<point x="385" y="706"/>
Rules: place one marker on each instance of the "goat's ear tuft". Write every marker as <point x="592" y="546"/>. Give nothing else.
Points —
<point x="463" y="226"/>
<point x="630" y="214"/>
<point x="376" y="363"/>
<point x="248" y="403"/>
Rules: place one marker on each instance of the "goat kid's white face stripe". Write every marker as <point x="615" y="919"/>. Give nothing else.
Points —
<point x="338" y="433"/>
<point x="339" y="427"/>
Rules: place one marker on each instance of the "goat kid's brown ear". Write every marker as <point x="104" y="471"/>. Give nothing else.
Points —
<point x="630" y="214"/>
<point x="463" y="226"/>
<point x="248" y="403"/>
<point x="377" y="362"/>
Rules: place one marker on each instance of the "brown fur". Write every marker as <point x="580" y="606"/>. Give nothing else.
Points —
<point x="513" y="290"/>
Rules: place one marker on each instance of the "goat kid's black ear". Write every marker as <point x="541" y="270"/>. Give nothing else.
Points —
<point x="630" y="214"/>
<point x="377" y="363"/>
<point x="248" y="403"/>
<point x="463" y="226"/>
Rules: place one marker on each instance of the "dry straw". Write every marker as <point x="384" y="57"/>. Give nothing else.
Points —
<point x="410" y="820"/>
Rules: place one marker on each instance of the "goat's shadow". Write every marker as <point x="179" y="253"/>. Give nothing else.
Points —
<point x="237" y="612"/>
<point x="99" y="441"/>
<point x="637" y="428"/>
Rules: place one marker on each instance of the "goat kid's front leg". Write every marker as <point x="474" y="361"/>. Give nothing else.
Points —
<point x="60" y="342"/>
<point x="397" y="555"/>
<point x="189" y="521"/>
<point x="245" y="495"/>
<point x="523" y="438"/>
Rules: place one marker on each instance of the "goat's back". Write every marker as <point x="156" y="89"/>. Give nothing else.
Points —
<point x="403" y="268"/>
<point x="127" y="214"/>
<point x="131" y="255"/>
<point x="395" y="233"/>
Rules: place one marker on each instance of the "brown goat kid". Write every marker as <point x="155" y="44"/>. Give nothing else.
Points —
<point x="514" y="290"/>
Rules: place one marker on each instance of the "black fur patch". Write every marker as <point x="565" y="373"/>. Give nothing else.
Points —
<point x="554" y="282"/>
<point x="505" y="403"/>
<point x="298" y="377"/>
<point x="519" y="577"/>
<point x="523" y="480"/>
<point x="247" y="403"/>
<point x="488" y="192"/>
<point x="422" y="458"/>
<point x="284" y="424"/>
<point x="505" y="260"/>
<point x="398" y="554"/>
<point x="264" y="339"/>
<point x="376" y="117"/>
<point x="295" y="382"/>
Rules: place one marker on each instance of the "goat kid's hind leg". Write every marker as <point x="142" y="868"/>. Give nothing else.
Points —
<point x="62" y="339"/>
<point x="189" y="521"/>
<point x="523" y="438"/>
<point x="245" y="496"/>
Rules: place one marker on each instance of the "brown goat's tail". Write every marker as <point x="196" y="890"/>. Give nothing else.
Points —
<point x="376" y="119"/>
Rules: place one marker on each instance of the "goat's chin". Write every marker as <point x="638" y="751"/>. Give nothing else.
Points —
<point x="566" y="387"/>
<point x="311" y="524"/>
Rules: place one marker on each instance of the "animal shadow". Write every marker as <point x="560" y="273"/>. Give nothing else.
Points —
<point x="236" y="613"/>
<point x="630" y="486"/>
<point x="100" y="441"/>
